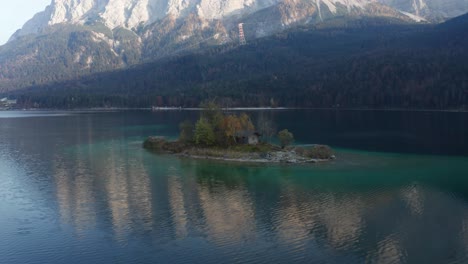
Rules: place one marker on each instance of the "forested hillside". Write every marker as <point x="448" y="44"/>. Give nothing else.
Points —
<point x="353" y="63"/>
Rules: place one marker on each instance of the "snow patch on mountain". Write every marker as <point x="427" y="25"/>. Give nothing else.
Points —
<point x="416" y="18"/>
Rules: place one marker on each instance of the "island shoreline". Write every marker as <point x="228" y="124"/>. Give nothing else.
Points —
<point x="263" y="153"/>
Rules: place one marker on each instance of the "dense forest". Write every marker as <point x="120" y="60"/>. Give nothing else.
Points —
<point x="367" y="63"/>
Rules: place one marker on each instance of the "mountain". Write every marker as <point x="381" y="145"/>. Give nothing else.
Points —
<point x="74" y="38"/>
<point x="358" y="63"/>
<point x="131" y="14"/>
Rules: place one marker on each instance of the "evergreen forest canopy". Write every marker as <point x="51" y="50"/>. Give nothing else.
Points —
<point x="365" y="63"/>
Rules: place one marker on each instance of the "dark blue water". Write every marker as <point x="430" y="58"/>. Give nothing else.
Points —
<point x="78" y="188"/>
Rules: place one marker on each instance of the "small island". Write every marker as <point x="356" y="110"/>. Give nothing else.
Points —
<point x="230" y="137"/>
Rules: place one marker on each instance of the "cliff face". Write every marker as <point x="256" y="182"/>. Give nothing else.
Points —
<point x="131" y="14"/>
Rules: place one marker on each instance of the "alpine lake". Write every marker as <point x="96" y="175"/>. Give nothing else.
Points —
<point x="77" y="187"/>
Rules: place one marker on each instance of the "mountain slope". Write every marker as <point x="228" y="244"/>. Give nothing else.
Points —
<point x="65" y="52"/>
<point x="73" y="38"/>
<point x="347" y="63"/>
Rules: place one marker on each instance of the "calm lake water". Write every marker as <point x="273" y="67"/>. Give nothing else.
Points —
<point x="78" y="188"/>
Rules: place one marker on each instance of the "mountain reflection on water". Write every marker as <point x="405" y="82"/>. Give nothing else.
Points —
<point x="81" y="189"/>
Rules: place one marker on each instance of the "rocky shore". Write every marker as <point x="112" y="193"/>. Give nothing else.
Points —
<point x="261" y="153"/>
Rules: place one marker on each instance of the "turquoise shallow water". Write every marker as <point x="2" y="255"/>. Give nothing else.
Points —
<point x="78" y="188"/>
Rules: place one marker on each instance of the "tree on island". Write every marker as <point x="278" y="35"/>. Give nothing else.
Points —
<point x="213" y="114"/>
<point x="215" y="128"/>
<point x="286" y="138"/>
<point x="233" y="125"/>
<point x="204" y="133"/>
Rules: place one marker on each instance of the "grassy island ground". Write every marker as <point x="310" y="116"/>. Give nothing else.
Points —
<point x="217" y="135"/>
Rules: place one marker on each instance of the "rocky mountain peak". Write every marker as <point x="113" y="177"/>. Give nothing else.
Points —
<point x="130" y="14"/>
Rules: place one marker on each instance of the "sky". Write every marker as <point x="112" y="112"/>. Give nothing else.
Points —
<point x="14" y="13"/>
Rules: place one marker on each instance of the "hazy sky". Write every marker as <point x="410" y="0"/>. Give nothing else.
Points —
<point x="14" y="13"/>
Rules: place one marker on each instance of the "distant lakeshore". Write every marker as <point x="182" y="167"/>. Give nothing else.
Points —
<point x="161" y="109"/>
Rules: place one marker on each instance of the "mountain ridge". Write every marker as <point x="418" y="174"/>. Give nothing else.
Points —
<point x="131" y="14"/>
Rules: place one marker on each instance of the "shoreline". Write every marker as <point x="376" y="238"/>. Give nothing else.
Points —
<point x="260" y="153"/>
<point x="253" y="161"/>
<point x="163" y="109"/>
